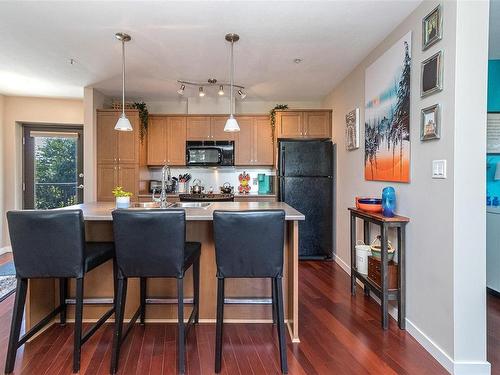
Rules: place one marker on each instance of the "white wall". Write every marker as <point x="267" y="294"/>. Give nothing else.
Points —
<point x="19" y="110"/>
<point x="440" y="216"/>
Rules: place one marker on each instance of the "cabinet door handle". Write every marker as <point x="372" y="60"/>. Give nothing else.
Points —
<point x="119" y="159"/>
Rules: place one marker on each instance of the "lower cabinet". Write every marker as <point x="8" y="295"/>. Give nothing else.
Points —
<point x="111" y="175"/>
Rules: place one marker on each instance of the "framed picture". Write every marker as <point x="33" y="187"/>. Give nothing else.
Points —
<point x="352" y="130"/>
<point x="432" y="28"/>
<point x="431" y="75"/>
<point x="430" y="124"/>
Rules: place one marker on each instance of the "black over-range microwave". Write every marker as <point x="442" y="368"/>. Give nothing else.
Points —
<point x="210" y="153"/>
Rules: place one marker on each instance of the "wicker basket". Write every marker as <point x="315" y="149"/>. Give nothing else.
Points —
<point x="375" y="248"/>
<point x="117" y="104"/>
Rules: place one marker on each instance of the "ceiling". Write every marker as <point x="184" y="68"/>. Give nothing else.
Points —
<point x="185" y="40"/>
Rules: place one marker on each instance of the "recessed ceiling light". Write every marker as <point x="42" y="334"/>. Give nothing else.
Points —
<point x="298" y="60"/>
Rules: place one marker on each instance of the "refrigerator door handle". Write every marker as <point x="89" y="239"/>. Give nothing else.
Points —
<point x="282" y="189"/>
<point x="282" y="172"/>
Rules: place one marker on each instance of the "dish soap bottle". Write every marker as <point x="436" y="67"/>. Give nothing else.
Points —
<point x="388" y="201"/>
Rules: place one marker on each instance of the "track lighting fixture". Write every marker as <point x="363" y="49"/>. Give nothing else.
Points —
<point x="210" y="85"/>
<point x="221" y="90"/>
<point x="201" y="92"/>
<point x="181" y="90"/>
<point x="242" y="94"/>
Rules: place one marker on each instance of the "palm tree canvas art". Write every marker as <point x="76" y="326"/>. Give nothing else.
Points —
<point x="387" y="114"/>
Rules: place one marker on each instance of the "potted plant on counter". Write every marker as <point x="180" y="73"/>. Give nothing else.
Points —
<point x="122" y="197"/>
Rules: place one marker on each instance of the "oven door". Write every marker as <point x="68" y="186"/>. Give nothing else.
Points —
<point x="203" y="156"/>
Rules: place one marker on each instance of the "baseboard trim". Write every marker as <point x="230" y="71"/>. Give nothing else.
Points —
<point x="456" y="368"/>
<point x="5" y="249"/>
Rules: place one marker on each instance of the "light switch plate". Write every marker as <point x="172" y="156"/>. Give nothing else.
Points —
<point x="439" y="169"/>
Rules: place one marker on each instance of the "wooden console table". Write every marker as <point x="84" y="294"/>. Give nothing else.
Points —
<point x="383" y="292"/>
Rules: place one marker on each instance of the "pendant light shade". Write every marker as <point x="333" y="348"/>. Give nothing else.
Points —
<point x="123" y="123"/>
<point x="231" y="123"/>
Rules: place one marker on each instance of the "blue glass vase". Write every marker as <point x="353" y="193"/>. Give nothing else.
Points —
<point x="388" y="201"/>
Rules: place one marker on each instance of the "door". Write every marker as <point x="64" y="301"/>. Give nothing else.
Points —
<point x="53" y="166"/>
<point x="290" y="125"/>
<point x="107" y="145"/>
<point x="306" y="158"/>
<point x="317" y="125"/>
<point x="217" y="125"/>
<point x="157" y="152"/>
<point x="176" y="140"/>
<point x="313" y="197"/>
<point x="245" y="141"/>
<point x="198" y="128"/>
<point x="264" y="151"/>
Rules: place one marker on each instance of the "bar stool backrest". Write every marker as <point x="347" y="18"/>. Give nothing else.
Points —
<point x="249" y="243"/>
<point x="150" y="243"/>
<point x="48" y="243"/>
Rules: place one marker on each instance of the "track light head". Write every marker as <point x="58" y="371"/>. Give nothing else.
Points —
<point x="242" y="94"/>
<point x="221" y="90"/>
<point x="181" y="90"/>
<point x="201" y="92"/>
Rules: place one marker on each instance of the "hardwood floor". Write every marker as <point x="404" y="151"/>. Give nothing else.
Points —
<point x="493" y="304"/>
<point x="340" y="335"/>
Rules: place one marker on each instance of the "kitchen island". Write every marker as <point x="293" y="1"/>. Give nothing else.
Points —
<point x="43" y="294"/>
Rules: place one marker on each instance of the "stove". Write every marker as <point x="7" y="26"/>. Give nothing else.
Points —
<point x="206" y="197"/>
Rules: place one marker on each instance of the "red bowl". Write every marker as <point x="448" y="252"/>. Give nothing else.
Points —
<point x="368" y="207"/>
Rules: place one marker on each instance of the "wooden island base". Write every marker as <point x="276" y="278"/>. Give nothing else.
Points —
<point x="43" y="295"/>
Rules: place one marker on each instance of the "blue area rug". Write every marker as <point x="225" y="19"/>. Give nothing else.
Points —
<point x="7" y="280"/>
<point x="7" y="269"/>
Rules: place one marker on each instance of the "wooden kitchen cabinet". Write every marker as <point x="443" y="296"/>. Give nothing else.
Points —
<point x="254" y="141"/>
<point x="309" y="124"/>
<point x="117" y="146"/>
<point x="117" y="154"/>
<point x="317" y="124"/>
<point x="198" y="128"/>
<point x="217" y="132"/>
<point x="166" y="140"/>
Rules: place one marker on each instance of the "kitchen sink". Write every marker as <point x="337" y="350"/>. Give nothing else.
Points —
<point x="203" y="205"/>
<point x="148" y="205"/>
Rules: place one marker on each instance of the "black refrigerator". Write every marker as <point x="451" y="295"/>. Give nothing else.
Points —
<point x="306" y="180"/>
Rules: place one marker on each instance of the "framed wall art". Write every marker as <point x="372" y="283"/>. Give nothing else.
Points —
<point x="430" y="123"/>
<point x="432" y="30"/>
<point x="431" y="75"/>
<point x="352" y="130"/>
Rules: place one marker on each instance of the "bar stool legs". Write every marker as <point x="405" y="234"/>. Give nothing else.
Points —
<point x="181" y="342"/>
<point x="63" y="292"/>
<point x="196" y="290"/>
<point x="119" y="313"/>
<point x="278" y="317"/>
<point x="278" y="287"/>
<point x="143" y="288"/>
<point x="17" y="320"/>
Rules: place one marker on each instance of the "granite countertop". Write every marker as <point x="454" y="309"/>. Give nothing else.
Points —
<point x="145" y="194"/>
<point x="101" y="211"/>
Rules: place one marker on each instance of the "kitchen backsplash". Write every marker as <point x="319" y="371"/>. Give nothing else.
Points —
<point x="212" y="177"/>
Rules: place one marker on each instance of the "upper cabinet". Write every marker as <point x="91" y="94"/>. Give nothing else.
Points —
<point x="304" y="124"/>
<point x="207" y="128"/>
<point x="254" y="141"/>
<point x="117" y="146"/>
<point x="166" y="140"/>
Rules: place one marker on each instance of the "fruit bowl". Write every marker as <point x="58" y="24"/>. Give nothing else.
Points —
<point x="373" y="205"/>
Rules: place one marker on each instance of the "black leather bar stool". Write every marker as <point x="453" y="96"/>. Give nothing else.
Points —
<point x="249" y="244"/>
<point x="152" y="243"/>
<point x="51" y="244"/>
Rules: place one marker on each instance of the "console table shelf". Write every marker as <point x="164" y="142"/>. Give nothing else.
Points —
<point x="383" y="292"/>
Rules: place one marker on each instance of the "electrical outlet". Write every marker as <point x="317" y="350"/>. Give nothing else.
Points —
<point x="439" y="169"/>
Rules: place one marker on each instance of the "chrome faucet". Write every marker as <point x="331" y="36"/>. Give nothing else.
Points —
<point x="165" y="180"/>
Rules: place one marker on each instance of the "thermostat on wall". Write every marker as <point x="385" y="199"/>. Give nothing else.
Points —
<point x="439" y="169"/>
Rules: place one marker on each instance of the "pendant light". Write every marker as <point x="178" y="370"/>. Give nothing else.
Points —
<point x="231" y="123"/>
<point x="123" y="123"/>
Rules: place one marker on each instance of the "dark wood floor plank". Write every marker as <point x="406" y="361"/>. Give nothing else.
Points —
<point x="339" y="334"/>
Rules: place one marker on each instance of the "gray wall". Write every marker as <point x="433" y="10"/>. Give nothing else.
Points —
<point x="431" y="204"/>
